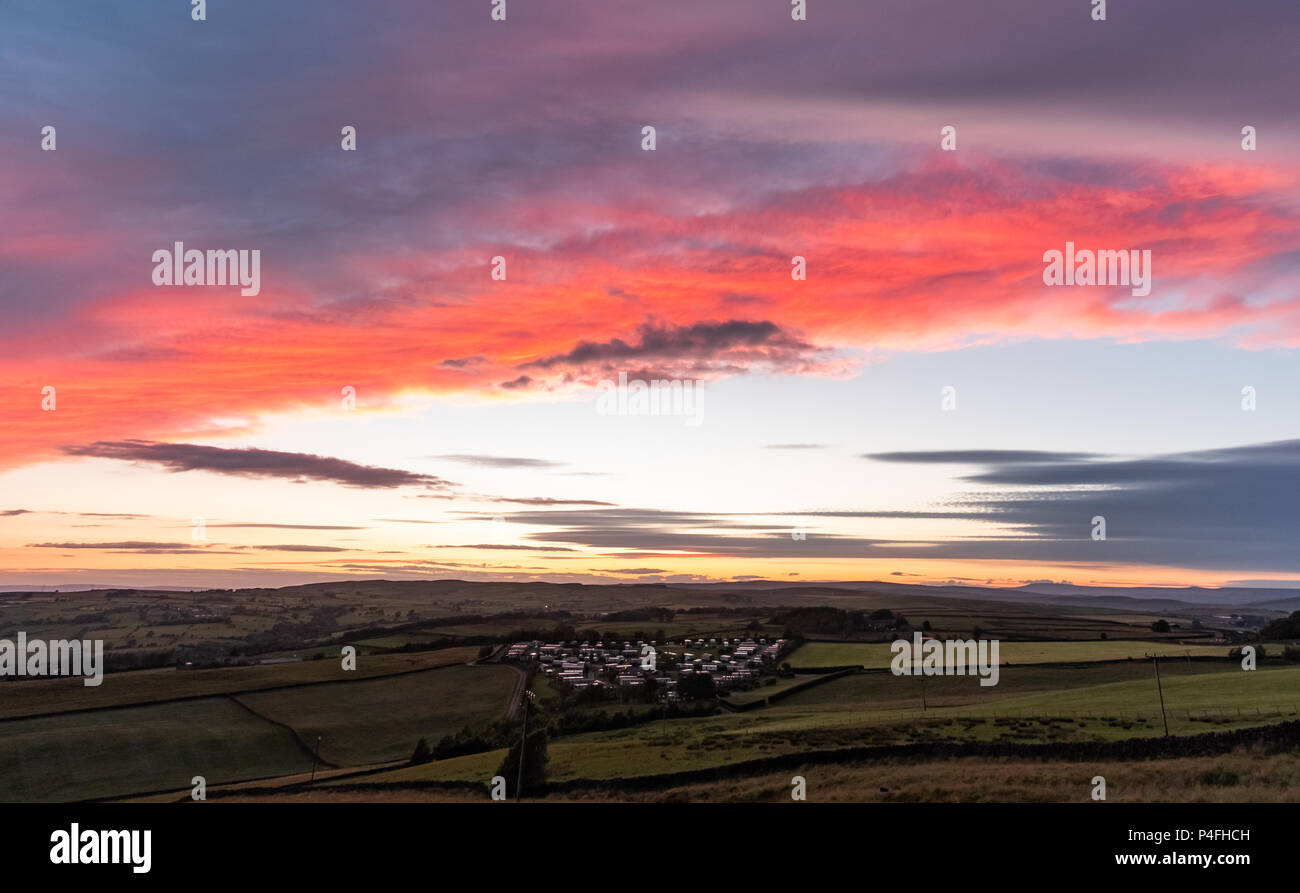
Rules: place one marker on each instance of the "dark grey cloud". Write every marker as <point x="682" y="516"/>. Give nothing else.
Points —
<point x="1234" y="508"/>
<point x="698" y="343"/>
<point x="1227" y="508"/>
<point x="11" y="513"/>
<point x="256" y="463"/>
<point x="979" y="457"/>
<point x="463" y="362"/>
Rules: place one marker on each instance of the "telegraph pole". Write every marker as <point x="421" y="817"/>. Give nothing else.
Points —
<point x="315" y="755"/>
<point x="1155" y="659"/>
<point x="523" y="746"/>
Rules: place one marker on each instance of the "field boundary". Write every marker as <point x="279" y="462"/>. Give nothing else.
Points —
<point x="818" y="679"/>
<point x="297" y="736"/>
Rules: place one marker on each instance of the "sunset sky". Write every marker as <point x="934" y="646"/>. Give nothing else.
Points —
<point x="475" y="449"/>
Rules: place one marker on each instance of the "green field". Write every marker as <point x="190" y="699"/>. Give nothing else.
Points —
<point x="110" y="752"/>
<point x="1030" y="704"/>
<point x="877" y="655"/>
<point x="766" y="691"/>
<point x="161" y="746"/>
<point x="144" y="686"/>
<point x="381" y="719"/>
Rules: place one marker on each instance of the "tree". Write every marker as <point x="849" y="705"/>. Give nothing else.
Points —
<point x="1284" y="628"/>
<point x="697" y="687"/>
<point x="535" y="760"/>
<point x="1160" y="626"/>
<point x="422" y="753"/>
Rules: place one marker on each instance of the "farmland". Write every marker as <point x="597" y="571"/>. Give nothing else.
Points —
<point x="375" y="720"/>
<point x="144" y="686"/>
<point x="878" y="655"/>
<point x="1108" y="703"/>
<point x="114" y="752"/>
<point x="253" y="678"/>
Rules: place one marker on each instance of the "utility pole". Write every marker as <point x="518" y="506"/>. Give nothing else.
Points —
<point x="315" y="755"/>
<point x="523" y="746"/>
<point x="1155" y="659"/>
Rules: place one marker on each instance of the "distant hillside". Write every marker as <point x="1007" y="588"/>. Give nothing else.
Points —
<point x="1131" y="598"/>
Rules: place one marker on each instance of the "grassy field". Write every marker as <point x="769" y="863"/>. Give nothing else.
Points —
<point x="883" y="691"/>
<point x="1231" y="778"/>
<point x="381" y="719"/>
<point x="1031" y="704"/>
<point x="1250" y="778"/>
<point x="876" y="655"/>
<point x="110" y="752"/>
<point x="143" y="686"/>
<point x="766" y="691"/>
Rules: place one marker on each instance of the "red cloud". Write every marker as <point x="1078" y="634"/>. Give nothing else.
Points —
<point x="929" y="259"/>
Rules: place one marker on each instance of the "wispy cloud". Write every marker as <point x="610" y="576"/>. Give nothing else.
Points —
<point x="499" y="461"/>
<point x="256" y="463"/>
<point x="546" y="500"/>
<point x="132" y="544"/>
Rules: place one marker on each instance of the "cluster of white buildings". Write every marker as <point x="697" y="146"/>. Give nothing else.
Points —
<point x="733" y="663"/>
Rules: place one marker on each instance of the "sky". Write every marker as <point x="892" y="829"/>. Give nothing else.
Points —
<point x="426" y="383"/>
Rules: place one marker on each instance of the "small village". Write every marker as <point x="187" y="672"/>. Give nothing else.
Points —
<point x="613" y="667"/>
